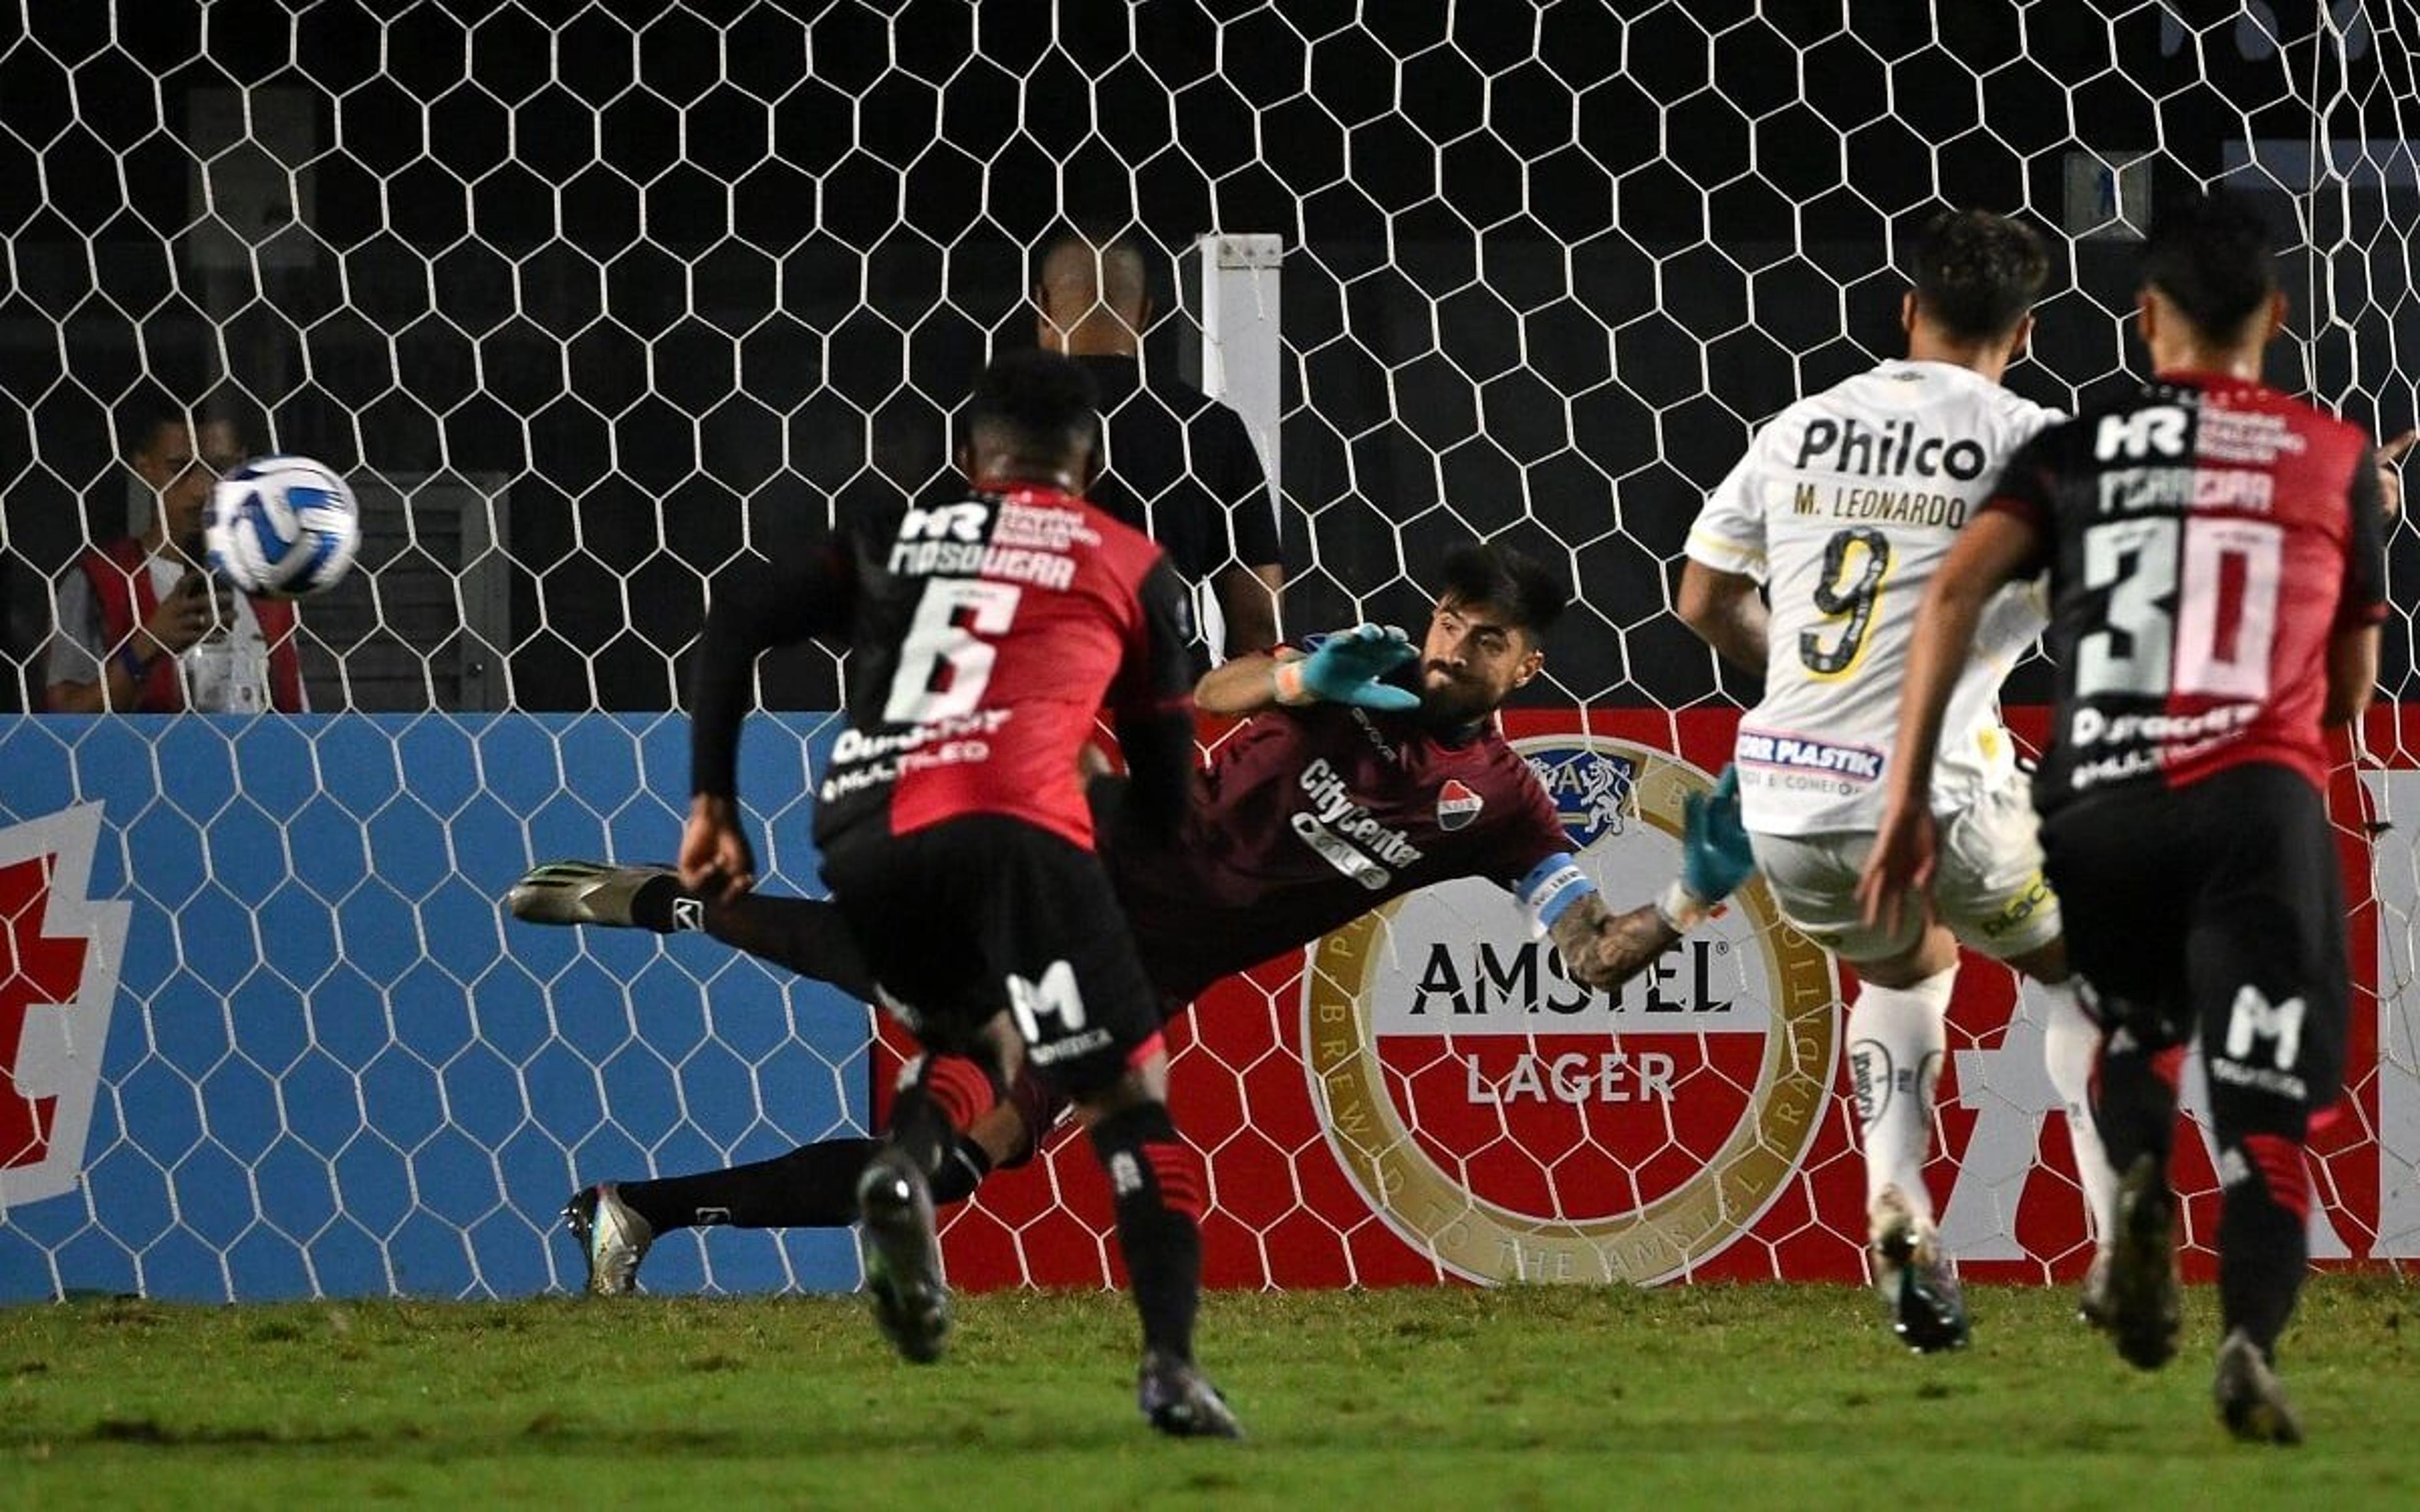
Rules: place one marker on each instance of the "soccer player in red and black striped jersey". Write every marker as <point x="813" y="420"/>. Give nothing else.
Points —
<point x="984" y="636"/>
<point x="2217" y="580"/>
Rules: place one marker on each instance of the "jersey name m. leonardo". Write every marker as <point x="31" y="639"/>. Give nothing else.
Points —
<point x="1844" y="506"/>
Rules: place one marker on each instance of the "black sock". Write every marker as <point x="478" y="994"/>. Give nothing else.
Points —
<point x="807" y="1189"/>
<point x="813" y="1186"/>
<point x="652" y="906"/>
<point x="962" y="1170"/>
<point x="1155" y="1183"/>
<point x="805" y="934"/>
<point x="2133" y="1102"/>
<point x="2263" y="1246"/>
<point x="932" y="1113"/>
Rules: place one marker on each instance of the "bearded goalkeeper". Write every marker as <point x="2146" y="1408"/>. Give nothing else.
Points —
<point x="1323" y="807"/>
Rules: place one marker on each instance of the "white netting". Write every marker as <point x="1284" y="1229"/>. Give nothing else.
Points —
<point x="589" y="309"/>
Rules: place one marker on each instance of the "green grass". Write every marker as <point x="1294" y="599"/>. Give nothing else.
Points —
<point x="1709" y="1396"/>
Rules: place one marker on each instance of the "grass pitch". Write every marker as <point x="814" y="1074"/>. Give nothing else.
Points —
<point x="1709" y="1396"/>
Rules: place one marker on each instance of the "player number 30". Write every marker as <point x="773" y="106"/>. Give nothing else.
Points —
<point x="2217" y="638"/>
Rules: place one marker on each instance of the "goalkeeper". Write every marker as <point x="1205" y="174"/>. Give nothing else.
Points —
<point x="1322" y="806"/>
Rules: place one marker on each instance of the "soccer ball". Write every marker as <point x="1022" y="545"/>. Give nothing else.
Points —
<point x="284" y="527"/>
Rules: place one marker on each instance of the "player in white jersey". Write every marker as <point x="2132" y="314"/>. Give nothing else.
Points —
<point x="1843" y="508"/>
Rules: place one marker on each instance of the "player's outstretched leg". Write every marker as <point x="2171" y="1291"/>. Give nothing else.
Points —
<point x="613" y="1238"/>
<point x="1155" y="1184"/>
<point x="1896" y="1042"/>
<point x="806" y="934"/>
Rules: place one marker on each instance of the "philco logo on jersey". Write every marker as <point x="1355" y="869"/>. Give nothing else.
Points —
<point x="1893" y="449"/>
<point x="1441" y="1014"/>
<point x="57" y="997"/>
<point x="1457" y="804"/>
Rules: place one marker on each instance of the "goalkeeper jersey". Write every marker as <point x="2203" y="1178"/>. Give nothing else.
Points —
<point x="1843" y="508"/>
<point x="1308" y="818"/>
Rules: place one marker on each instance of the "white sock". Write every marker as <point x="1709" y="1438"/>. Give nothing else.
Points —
<point x="1896" y="1037"/>
<point x="2070" y="1041"/>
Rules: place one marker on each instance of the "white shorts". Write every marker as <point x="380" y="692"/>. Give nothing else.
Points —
<point x="1987" y="883"/>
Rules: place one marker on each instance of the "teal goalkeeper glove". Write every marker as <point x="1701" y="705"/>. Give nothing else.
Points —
<point x="1715" y="856"/>
<point x="1347" y="667"/>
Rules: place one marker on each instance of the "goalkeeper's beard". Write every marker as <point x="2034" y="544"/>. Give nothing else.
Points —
<point x="1450" y="703"/>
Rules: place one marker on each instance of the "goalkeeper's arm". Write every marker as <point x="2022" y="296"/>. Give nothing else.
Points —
<point x="1603" y="949"/>
<point x="1347" y="667"/>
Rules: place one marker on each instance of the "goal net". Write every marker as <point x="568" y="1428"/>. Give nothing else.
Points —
<point x="590" y="310"/>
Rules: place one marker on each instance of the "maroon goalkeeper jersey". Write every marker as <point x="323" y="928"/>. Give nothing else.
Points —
<point x="1308" y="818"/>
<point x="2206" y="538"/>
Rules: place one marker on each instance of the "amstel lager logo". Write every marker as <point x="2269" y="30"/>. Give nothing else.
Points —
<point x="1518" y="1126"/>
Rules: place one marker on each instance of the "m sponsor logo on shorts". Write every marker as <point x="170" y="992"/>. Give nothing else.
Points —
<point x="1446" y="1045"/>
<point x="1050" y="1016"/>
<point x="2254" y="1024"/>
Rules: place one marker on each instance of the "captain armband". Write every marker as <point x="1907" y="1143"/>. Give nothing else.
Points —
<point x="1554" y="884"/>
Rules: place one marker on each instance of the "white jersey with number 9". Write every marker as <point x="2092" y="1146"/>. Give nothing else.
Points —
<point x="1844" y="507"/>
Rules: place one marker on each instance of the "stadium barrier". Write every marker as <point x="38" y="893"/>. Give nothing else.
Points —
<point x="265" y="1033"/>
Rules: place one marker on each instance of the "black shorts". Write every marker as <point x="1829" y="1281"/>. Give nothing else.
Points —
<point x="972" y="916"/>
<point x="2214" y="914"/>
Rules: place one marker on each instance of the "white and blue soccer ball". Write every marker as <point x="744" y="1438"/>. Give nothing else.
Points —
<point x="284" y="527"/>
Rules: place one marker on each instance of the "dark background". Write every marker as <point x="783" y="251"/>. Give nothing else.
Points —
<point x="694" y="286"/>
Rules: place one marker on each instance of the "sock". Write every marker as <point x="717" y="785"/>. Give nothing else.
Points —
<point x="2263" y="1238"/>
<point x="1896" y="1037"/>
<point x="962" y="1170"/>
<point x="651" y="906"/>
<point x="935" y="1109"/>
<point x="805" y="934"/>
<point x="1155" y="1183"/>
<point x="2134" y="1096"/>
<point x="2071" y="1043"/>
<point x="813" y="1186"/>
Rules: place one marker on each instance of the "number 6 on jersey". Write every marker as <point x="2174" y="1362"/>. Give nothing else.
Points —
<point x="943" y="660"/>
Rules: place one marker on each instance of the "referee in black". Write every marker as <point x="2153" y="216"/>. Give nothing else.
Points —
<point x="1179" y="465"/>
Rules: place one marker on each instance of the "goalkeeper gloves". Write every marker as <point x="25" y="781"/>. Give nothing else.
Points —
<point x="1714" y="855"/>
<point x="1347" y="667"/>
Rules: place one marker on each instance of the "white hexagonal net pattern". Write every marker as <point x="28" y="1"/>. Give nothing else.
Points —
<point x="590" y="309"/>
